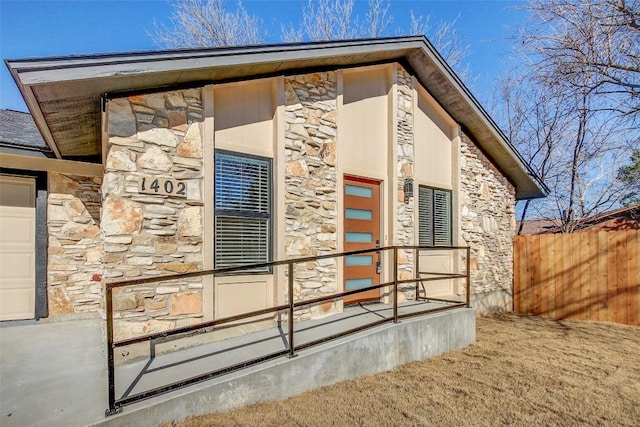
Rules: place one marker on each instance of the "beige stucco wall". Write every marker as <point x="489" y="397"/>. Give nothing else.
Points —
<point x="244" y="117"/>
<point x="363" y="147"/>
<point x="244" y="121"/>
<point x="434" y="134"/>
<point x="436" y="152"/>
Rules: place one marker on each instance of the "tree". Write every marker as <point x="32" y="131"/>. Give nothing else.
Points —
<point x="572" y="107"/>
<point x="334" y="20"/>
<point x="207" y="23"/>
<point x="630" y="177"/>
<point x="533" y="119"/>
<point x="451" y="45"/>
<point x="592" y="47"/>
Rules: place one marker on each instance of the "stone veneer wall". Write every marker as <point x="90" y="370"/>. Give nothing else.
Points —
<point x="405" y="165"/>
<point x="487" y="201"/>
<point x="74" y="245"/>
<point x="310" y="184"/>
<point x="145" y="235"/>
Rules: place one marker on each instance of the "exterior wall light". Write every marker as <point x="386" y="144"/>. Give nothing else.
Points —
<point x="408" y="189"/>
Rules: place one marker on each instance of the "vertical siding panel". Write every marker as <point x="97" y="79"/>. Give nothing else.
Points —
<point x="576" y="277"/>
<point x="517" y="272"/>
<point x="551" y="269"/>
<point x="621" y="288"/>
<point x="593" y="277"/>
<point x="545" y="276"/>
<point x="612" y="282"/>
<point x="535" y="270"/>
<point x="636" y="264"/>
<point x="583" y="271"/>
<point x="527" y="294"/>
<point x="559" y="272"/>
<point x="568" y="286"/>
<point x="603" y="276"/>
<point x="566" y="275"/>
<point x="631" y="294"/>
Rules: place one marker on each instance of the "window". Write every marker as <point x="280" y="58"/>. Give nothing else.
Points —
<point x="242" y="209"/>
<point x="434" y="217"/>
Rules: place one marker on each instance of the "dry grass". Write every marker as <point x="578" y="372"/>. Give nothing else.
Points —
<point x="521" y="371"/>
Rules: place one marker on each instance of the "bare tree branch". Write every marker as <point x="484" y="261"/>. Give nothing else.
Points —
<point x="592" y="46"/>
<point x="206" y="23"/>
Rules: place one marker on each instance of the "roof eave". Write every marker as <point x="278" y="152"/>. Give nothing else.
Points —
<point x="101" y="73"/>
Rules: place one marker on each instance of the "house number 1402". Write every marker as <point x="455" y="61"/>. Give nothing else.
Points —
<point x="165" y="186"/>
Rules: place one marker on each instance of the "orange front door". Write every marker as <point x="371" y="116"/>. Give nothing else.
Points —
<point x="361" y="231"/>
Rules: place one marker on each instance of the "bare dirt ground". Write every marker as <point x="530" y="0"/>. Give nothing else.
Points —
<point x="522" y="371"/>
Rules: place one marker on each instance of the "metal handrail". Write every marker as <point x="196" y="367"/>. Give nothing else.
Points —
<point x="115" y="405"/>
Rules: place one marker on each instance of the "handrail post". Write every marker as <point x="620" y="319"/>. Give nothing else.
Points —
<point x="110" y="358"/>
<point x="416" y="273"/>
<point x="468" y="276"/>
<point x="291" y="344"/>
<point x="395" y="284"/>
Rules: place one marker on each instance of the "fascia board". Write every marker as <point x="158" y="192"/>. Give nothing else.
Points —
<point x="50" y="70"/>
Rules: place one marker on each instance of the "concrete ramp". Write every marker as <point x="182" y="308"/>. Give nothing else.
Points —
<point x="367" y="352"/>
<point x="58" y="377"/>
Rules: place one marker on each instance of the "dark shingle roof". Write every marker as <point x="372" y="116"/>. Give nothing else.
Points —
<point x="19" y="130"/>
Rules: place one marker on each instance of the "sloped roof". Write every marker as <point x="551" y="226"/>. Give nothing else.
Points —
<point x="64" y="94"/>
<point x="17" y="129"/>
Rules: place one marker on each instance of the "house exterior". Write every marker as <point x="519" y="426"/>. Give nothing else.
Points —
<point x="187" y="160"/>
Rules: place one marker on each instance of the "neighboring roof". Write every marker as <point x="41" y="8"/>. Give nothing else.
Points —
<point x="18" y="130"/>
<point x="64" y="93"/>
<point x="627" y="218"/>
<point x="537" y="226"/>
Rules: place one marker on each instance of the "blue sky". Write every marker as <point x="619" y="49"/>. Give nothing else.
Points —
<point x="63" y="27"/>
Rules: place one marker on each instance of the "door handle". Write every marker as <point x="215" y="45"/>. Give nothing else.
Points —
<point x="378" y="263"/>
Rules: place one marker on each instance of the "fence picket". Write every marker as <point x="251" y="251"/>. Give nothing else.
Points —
<point x="585" y="275"/>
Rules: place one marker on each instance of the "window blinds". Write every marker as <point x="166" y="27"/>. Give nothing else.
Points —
<point x="242" y="210"/>
<point x="434" y="217"/>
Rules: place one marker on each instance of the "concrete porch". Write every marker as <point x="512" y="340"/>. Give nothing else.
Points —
<point x="59" y="377"/>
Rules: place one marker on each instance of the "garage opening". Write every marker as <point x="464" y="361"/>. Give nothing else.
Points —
<point x="17" y="247"/>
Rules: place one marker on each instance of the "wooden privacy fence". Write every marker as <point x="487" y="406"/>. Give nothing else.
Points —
<point x="583" y="276"/>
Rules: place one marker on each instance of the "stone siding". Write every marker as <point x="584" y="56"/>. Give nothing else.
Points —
<point x="310" y="184"/>
<point x="487" y="202"/>
<point x="146" y="235"/>
<point x="405" y="170"/>
<point x="75" y="246"/>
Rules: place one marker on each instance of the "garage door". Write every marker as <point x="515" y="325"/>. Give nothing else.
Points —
<point x="17" y="247"/>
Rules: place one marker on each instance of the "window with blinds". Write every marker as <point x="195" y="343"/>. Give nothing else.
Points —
<point x="242" y="209"/>
<point x="434" y="217"/>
